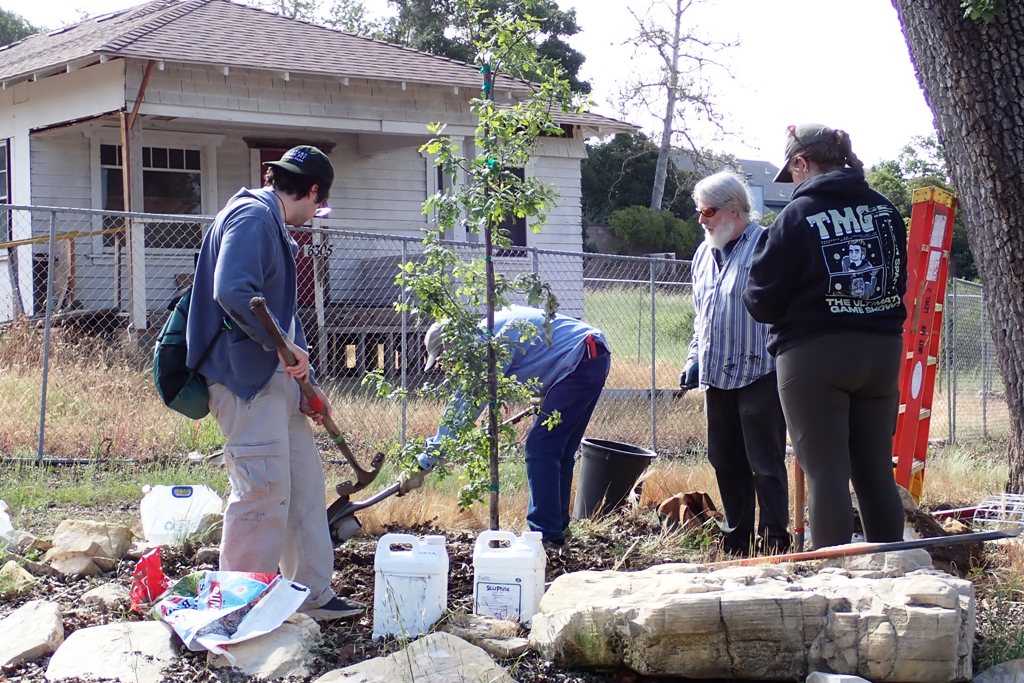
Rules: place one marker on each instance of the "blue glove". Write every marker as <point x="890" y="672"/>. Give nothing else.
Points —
<point x="426" y="461"/>
<point x="689" y="378"/>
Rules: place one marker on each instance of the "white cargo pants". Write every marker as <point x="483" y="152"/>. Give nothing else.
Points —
<point x="276" y="516"/>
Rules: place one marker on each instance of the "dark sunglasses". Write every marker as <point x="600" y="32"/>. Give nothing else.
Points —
<point x="709" y="212"/>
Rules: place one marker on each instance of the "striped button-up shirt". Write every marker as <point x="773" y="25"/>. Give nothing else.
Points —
<point x="729" y="344"/>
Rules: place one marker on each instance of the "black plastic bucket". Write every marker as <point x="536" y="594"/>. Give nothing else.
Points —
<point x="608" y="472"/>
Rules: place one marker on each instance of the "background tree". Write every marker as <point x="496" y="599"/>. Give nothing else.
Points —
<point x="440" y="27"/>
<point x="14" y="27"/>
<point x="969" y="68"/>
<point x="681" y="91"/>
<point x="643" y="230"/>
<point x="620" y="172"/>
<point x="920" y="164"/>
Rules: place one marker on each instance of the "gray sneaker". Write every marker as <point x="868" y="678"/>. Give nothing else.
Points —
<point x="336" y="608"/>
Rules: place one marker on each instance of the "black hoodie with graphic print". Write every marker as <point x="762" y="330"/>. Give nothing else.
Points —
<point x="834" y="260"/>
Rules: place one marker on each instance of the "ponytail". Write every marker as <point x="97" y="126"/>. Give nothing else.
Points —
<point x="846" y="150"/>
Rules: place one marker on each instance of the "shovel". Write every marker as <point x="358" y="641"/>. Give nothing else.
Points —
<point x="363" y="477"/>
<point x="868" y="548"/>
<point x="341" y="514"/>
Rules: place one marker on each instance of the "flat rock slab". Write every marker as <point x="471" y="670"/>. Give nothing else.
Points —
<point x="435" y="658"/>
<point x="764" y="622"/>
<point x="282" y="653"/>
<point x="33" y="630"/>
<point x="132" y="652"/>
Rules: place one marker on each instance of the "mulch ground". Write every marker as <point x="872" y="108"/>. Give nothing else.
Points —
<point x="349" y="642"/>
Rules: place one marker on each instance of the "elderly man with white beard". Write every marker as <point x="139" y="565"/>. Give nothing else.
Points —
<point x="746" y="427"/>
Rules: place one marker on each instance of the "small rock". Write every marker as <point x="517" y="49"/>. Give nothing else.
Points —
<point x="282" y="653"/>
<point x="14" y="580"/>
<point x="210" y="528"/>
<point x="133" y="652"/>
<point x="33" y="630"/>
<point x="208" y="555"/>
<point x="500" y="638"/>
<point x="107" y="597"/>
<point x="84" y="548"/>
<point x="1007" y="672"/>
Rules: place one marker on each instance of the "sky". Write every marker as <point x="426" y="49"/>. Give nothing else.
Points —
<point x="842" y="63"/>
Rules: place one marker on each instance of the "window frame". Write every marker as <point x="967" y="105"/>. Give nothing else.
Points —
<point x="206" y="144"/>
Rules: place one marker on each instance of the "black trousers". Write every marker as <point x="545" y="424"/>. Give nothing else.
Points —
<point x="840" y="395"/>
<point x="747" y="448"/>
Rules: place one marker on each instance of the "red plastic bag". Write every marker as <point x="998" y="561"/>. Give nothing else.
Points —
<point x="148" y="580"/>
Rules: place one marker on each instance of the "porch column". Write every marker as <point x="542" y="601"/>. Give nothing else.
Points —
<point x="131" y="155"/>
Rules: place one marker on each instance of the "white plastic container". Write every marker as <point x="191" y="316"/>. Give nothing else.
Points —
<point x="6" y="528"/>
<point x="170" y="513"/>
<point x="508" y="580"/>
<point x="410" y="585"/>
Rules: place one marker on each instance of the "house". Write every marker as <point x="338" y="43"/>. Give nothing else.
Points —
<point x="769" y="196"/>
<point x="170" y="106"/>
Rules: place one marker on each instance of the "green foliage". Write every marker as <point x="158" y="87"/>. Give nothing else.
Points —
<point x="14" y="27"/>
<point x="644" y="230"/>
<point x="620" y="172"/>
<point x="920" y="164"/>
<point x="768" y="218"/>
<point x="982" y="10"/>
<point x="446" y="28"/>
<point x="443" y="286"/>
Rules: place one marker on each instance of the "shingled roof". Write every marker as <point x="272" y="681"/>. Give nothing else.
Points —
<point x="224" y="33"/>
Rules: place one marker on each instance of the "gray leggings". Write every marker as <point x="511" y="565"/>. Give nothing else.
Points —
<point x="840" y="396"/>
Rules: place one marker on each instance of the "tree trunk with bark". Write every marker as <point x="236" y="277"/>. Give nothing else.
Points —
<point x="973" y="77"/>
<point x="672" y="94"/>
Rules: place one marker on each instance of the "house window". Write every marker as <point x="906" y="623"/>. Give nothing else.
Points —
<point x="5" y="190"/>
<point x="514" y="226"/>
<point x="171" y="184"/>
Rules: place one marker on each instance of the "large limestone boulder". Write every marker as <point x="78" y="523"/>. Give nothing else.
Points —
<point x="86" y="548"/>
<point x="763" y="622"/>
<point x="132" y="652"/>
<point x="33" y="630"/>
<point x="435" y="658"/>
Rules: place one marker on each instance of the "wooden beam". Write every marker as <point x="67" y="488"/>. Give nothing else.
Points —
<point x="138" y="98"/>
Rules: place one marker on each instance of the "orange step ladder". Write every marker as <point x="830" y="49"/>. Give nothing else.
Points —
<point x="931" y="233"/>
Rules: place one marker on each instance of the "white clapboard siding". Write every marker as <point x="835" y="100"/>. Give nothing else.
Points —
<point x="61" y="171"/>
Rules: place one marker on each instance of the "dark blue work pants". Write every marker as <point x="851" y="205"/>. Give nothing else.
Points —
<point x="551" y="453"/>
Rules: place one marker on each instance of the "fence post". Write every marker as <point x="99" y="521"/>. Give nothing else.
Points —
<point x="52" y="246"/>
<point x="536" y="260"/>
<point x="405" y="345"/>
<point x="950" y="338"/>
<point x="654" y="369"/>
<point x="984" y="371"/>
<point x="953" y="381"/>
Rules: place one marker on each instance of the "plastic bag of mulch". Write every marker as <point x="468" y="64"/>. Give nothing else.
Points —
<point x="213" y="609"/>
<point x="148" y="581"/>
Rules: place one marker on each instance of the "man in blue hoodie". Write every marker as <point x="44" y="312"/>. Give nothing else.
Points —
<point x="570" y="371"/>
<point x="276" y="517"/>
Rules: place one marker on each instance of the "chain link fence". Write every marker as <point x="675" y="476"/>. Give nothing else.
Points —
<point x="83" y="293"/>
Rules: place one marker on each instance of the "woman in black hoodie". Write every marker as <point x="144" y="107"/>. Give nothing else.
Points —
<point x="829" y="278"/>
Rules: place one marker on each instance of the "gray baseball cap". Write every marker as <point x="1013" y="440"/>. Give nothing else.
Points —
<point x="799" y="138"/>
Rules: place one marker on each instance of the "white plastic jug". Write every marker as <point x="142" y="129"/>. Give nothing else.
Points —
<point x="170" y="513"/>
<point x="6" y="528"/>
<point x="410" y="585"/>
<point x="508" y="580"/>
